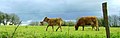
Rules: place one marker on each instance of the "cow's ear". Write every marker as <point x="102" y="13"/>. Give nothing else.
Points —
<point x="45" y="17"/>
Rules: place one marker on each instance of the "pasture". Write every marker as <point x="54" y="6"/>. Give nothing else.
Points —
<point x="67" y="32"/>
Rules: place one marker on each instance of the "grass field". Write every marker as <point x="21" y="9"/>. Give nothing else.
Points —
<point x="68" y="32"/>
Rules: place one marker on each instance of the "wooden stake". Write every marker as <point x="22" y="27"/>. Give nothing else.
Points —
<point x="105" y="16"/>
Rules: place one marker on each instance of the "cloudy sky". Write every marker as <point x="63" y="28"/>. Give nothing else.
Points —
<point x="36" y="10"/>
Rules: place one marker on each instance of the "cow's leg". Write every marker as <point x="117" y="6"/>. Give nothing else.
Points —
<point x="60" y="28"/>
<point x="83" y="28"/>
<point x="93" y="27"/>
<point x="47" y="27"/>
<point x="57" y="28"/>
<point x="97" y="28"/>
<point x="52" y="27"/>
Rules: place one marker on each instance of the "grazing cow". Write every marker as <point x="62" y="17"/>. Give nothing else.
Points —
<point x="88" y="20"/>
<point x="52" y="22"/>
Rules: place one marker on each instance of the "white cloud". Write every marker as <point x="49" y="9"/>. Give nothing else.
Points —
<point x="26" y="22"/>
<point x="29" y="21"/>
<point x="70" y="20"/>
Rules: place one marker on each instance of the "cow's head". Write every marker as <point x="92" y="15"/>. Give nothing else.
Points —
<point x="41" y="23"/>
<point x="45" y="19"/>
<point x="76" y="27"/>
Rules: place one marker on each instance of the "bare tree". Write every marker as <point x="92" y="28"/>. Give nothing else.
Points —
<point x="114" y="20"/>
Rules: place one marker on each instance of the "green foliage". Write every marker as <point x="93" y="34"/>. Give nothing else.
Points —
<point x="114" y="20"/>
<point x="69" y="23"/>
<point x="101" y="22"/>
<point x="39" y="32"/>
<point x="12" y="18"/>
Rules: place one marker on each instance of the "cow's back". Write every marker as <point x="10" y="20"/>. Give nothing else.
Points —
<point x="88" y="20"/>
<point x="55" y="21"/>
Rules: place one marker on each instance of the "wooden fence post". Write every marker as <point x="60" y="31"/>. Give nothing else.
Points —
<point x="105" y="16"/>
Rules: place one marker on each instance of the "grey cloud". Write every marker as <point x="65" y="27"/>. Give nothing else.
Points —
<point x="67" y="9"/>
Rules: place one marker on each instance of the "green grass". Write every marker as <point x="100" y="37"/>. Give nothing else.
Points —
<point x="67" y="32"/>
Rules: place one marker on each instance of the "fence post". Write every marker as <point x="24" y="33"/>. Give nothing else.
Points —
<point x="105" y="16"/>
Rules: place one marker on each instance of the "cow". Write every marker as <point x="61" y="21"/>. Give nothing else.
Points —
<point x="52" y="22"/>
<point x="87" y="20"/>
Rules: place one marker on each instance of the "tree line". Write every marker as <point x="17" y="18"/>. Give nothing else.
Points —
<point x="113" y="21"/>
<point x="10" y="19"/>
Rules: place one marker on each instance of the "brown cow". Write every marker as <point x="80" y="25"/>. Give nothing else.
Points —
<point x="52" y="22"/>
<point x="88" y="20"/>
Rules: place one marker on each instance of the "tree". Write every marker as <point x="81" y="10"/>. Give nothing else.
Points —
<point x="101" y="22"/>
<point x="69" y="23"/>
<point x="114" y="20"/>
<point x="2" y="17"/>
<point x="12" y="18"/>
<point x="7" y="18"/>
